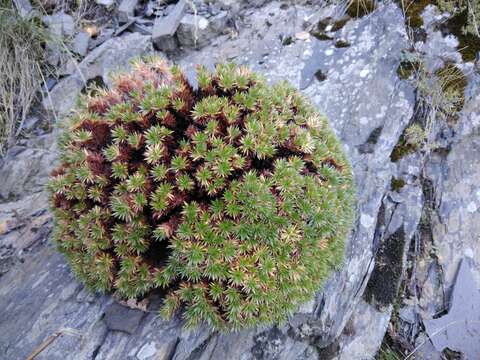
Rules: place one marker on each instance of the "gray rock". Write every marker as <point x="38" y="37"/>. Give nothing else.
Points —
<point x="235" y="5"/>
<point x="105" y="34"/>
<point x="164" y="28"/>
<point x="24" y="7"/>
<point x="126" y="10"/>
<point x="31" y="122"/>
<point x="448" y="235"/>
<point x="26" y="168"/>
<point x="80" y="43"/>
<point x="194" y="31"/>
<point x="158" y="351"/>
<point x="213" y="9"/>
<point x="380" y="101"/>
<point x="255" y="3"/>
<point x="60" y="24"/>
<point x="455" y="225"/>
<point x="407" y="314"/>
<point x="45" y="283"/>
<point x="112" y="55"/>
<point x="121" y="318"/>
<point x="218" y="23"/>
<point x="439" y="49"/>
<point x="232" y="5"/>
<point x="459" y="330"/>
<point x="147" y="351"/>
<point x="151" y="8"/>
<point x="372" y="324"/>
<point x="66" y="67"/>
<point x="106" y="3"/>
<point x="85" y="296"/>
<point x="169" y="8"/>
<point x="7" y="258"/>
<point x="141" y="28"/>
<point x="396" y="225"/>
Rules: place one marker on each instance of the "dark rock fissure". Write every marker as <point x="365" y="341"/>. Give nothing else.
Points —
<point x="329" y="352"/>
<point x="320" y="75"/>
<point x="384" y="282"/>
<point x="120" y="318"/>
<point x="420" y="115"/>
<point x="268" y="344"/>
<point x="369" y="146"/>
<point x="406" y="335"/>
<point x="199" y="350"/>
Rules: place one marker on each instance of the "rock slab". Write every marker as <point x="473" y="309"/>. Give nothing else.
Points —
<point x="119" y="318"/>
<point x="459" y="330"/>
<point x="164" y="28"/>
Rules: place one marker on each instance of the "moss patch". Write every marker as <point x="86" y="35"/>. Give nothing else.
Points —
<point x="320" y="35"/>
<point x="342" y="44"/>
<point x="360" y="8"/>
<point x="402" y="149"/>
<point x="406" y="69"/>
<point x="469" y="44"/>
<point x="320" y="75"/>
<point x="413" y="11"/>
<point x="369" y="146"/>
<point x="288" y="40"/>
<point x="458" y="25"/>
<point x="397" y="184"/>
<point x="321" y="30"/>
<point x="383" y="284"/>
<point x="453" y="83"/>
<point x="340" y="23"/>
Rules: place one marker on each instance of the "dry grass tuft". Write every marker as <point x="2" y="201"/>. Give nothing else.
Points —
<point x="21" y="66"/>
<point x="360" y="8"/>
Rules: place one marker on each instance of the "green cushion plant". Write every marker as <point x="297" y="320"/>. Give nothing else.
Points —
<point x="234" y="199"/>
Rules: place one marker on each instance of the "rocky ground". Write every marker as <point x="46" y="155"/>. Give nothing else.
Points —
<point x="412" y="270"/>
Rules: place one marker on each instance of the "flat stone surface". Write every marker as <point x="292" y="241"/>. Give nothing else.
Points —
<point x="459" y="330"/>
<point x="455" y="178"/>
<point x="449" y="232"/>
<point x="80" y="43"/>
<point x="194" y="31"/>
<point x="121" y="318"/>
<point x="164" y="28"/>
<point x="60" y="23"/>
<point x="126" y="10"/>
<point x="25" y="168"/>
<point x="113" y="55"/>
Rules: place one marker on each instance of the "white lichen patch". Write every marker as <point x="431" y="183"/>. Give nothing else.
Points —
<point x="147" y="351"/>
<point x="472" y="207"/>
<point x="364" y="73"/>
<point x="366" y="220"/>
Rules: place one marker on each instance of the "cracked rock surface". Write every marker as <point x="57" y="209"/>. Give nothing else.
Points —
<point x="368" y="107"/>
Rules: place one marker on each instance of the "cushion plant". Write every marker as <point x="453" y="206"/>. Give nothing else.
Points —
<point x="234" y="198"/>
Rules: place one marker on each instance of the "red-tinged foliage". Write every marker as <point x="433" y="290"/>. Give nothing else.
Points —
<point x="212" y="194"/>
